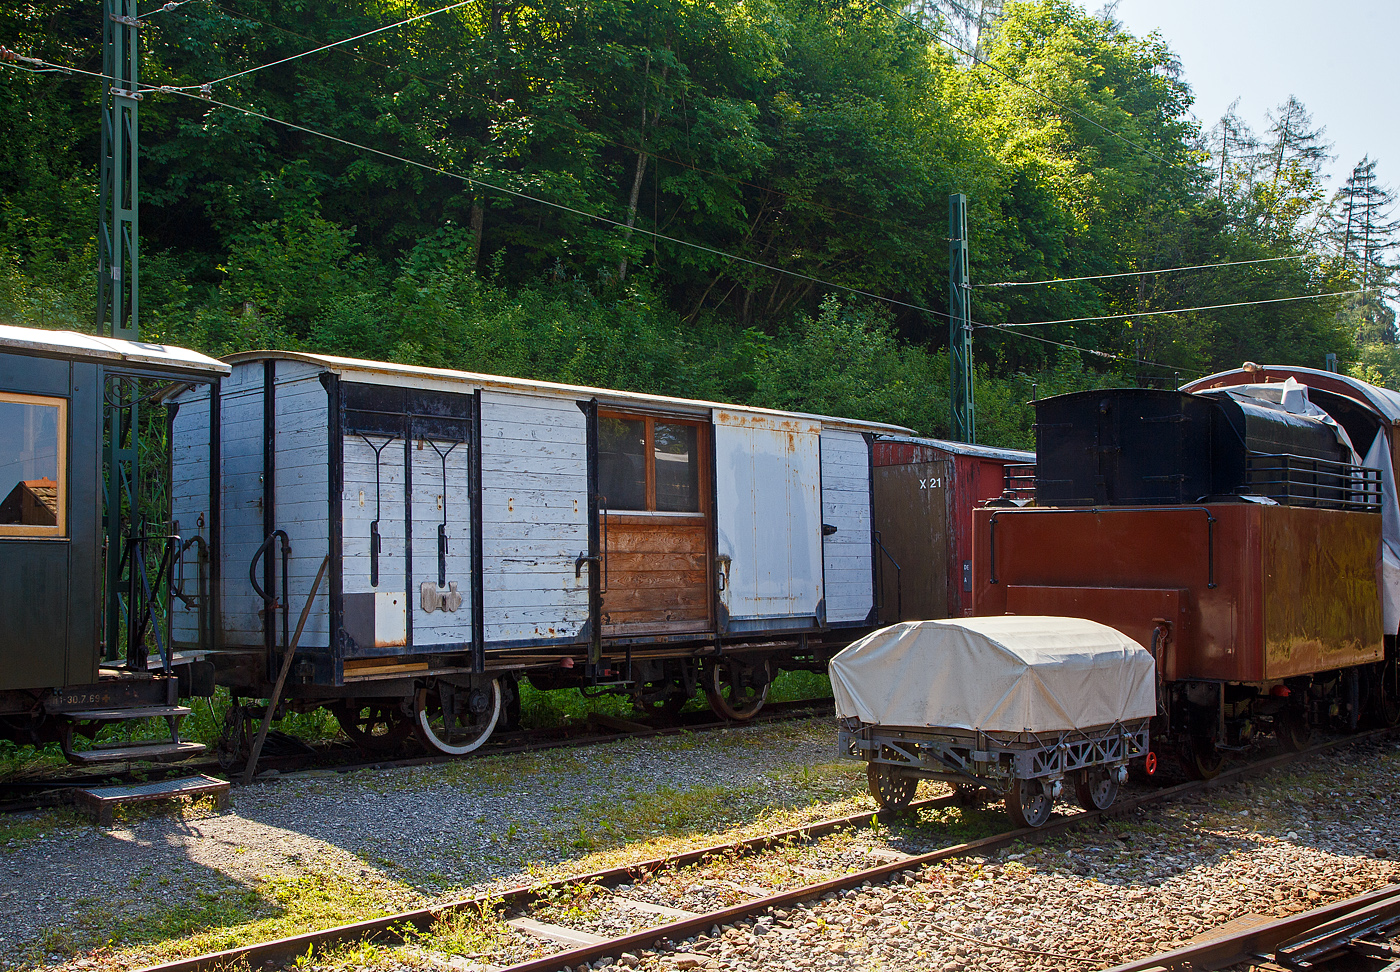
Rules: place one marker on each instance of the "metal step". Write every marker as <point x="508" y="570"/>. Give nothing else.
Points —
<point x="102" y="799"/>
<point x="159" y="752"/>
<point x="124" y="715"/>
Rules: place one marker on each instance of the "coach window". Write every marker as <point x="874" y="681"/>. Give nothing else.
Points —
<point x="33" y="460"/>
<point x="648" y="465"/>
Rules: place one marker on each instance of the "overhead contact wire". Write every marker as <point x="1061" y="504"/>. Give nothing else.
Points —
<point x="563" y="207"/>
<point x="1138" y="273"/>
<point x="1187" y="310"/>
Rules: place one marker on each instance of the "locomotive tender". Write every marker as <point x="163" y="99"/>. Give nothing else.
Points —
<point x="1244" y="530"/>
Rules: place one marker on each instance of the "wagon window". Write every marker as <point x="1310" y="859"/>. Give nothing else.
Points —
<point x="33" y="454"/>
<point x="677" y="468"/>
<point x="622" y="473"/>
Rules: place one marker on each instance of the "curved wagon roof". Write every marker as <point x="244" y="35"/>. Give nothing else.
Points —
<point x="445" y="378"/>
<point x="72" y="345"/>
<point x="1382" y="401"/>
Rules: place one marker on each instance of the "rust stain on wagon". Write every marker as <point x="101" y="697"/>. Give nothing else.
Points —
<point x="1321" y="603"/>
<point x="748" y="420"/>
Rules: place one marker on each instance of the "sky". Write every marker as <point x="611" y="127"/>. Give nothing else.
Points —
<point x="1335" y="56"/>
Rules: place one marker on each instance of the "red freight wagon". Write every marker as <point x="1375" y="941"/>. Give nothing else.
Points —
<point x="924" y="495"/>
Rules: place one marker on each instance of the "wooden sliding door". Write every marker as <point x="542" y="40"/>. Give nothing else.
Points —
<point x="654" y="499"/>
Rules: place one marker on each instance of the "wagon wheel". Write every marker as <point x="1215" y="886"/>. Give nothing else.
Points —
<point x="967" y="794"/>
<point x="1200" y="758"/>
<point x="664" y="697"/>
<point x="232" y="746"/>
<point x="1292" y="730"/>
<point x="454" y="719"/>
<point x="1028" y="803"/>
<point x="892" y="791"/>
<point x="374" y="725"/>
<point x="1096" y="788"/>
<point x="1389" y="705"/>
<point x="736" y="689"/>
<point x="654" y="701"/>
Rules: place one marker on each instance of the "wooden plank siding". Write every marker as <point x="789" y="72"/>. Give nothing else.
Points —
<point x="846" y="554"/>
<point x="657" y="575"/>
<point x="534" y="490"/>
<point x="189" y="500"/>
<point x="241" y="462"/>
<point x="300" y="500"/>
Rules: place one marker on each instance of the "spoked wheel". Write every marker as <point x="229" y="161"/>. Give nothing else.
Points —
<point x="1292" y="730"/>
<point x="737" y="689"/>
<point x="1028" y="803"/>
<point x="663" y="698"/>
<point x="374" y="725"/>
<point x="1096" y="788"/>
<point x="665" y="706"/>
<point x="456" y="719"/>
<point x="891" y="790"/>
<point x="1200" y="758"/>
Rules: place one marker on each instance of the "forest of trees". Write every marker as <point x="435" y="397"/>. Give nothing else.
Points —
<point x="818" y="137"/>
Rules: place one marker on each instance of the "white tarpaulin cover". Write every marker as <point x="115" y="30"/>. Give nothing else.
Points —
<point x="1011" y="673"/>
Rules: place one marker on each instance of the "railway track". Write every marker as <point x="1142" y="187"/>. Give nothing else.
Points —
<point x="18" y="795"/>
<point x="675" y="924"/>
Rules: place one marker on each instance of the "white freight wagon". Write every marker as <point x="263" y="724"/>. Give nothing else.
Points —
<point x="476" y="527"/>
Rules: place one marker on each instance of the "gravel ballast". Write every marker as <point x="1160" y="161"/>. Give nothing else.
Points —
<point x="369" y="843"/>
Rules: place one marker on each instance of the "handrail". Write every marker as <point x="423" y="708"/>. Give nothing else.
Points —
<point x="898" y="579"/>
<point x="289" y="652"/>
<point x="271" y="604"/>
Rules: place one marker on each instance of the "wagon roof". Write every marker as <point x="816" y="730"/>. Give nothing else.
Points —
<point x="606" y="396"/>
<point x="90" y="347"/>
<point x="966" y="448"/>
<point x="1383" y="401"/>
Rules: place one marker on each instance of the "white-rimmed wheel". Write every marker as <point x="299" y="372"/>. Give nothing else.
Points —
<point x="1029" y="803"/>
<point x="457" y="719"/>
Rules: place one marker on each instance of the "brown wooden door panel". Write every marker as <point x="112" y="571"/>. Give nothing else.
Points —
<point x="621" y="563"/>
<point x="662" y="539"/>
<point x="656" y="575"/>
<point x="911" y="515"/>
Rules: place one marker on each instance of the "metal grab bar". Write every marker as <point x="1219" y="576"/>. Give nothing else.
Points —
<point x="271" y="604"/>
<point x="898" y="579"/>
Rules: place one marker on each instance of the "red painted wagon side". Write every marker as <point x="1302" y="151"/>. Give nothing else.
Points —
<point x="924" y="493"/>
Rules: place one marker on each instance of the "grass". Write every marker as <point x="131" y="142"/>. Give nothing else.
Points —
<point x="227" y="914"/>
<point x="539" y="709"/>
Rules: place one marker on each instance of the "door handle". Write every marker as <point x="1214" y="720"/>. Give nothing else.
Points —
<point x="722" y="564"/>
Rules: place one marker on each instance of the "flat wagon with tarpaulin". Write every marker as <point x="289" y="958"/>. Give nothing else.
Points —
<point x="84" y="640"/>
<point x="476" y="528"/>
<point x="1242" y="530"/>
<point x="1019" y="705"/>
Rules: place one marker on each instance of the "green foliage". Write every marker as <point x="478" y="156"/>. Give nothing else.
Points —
<point x="821" y="137"/>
